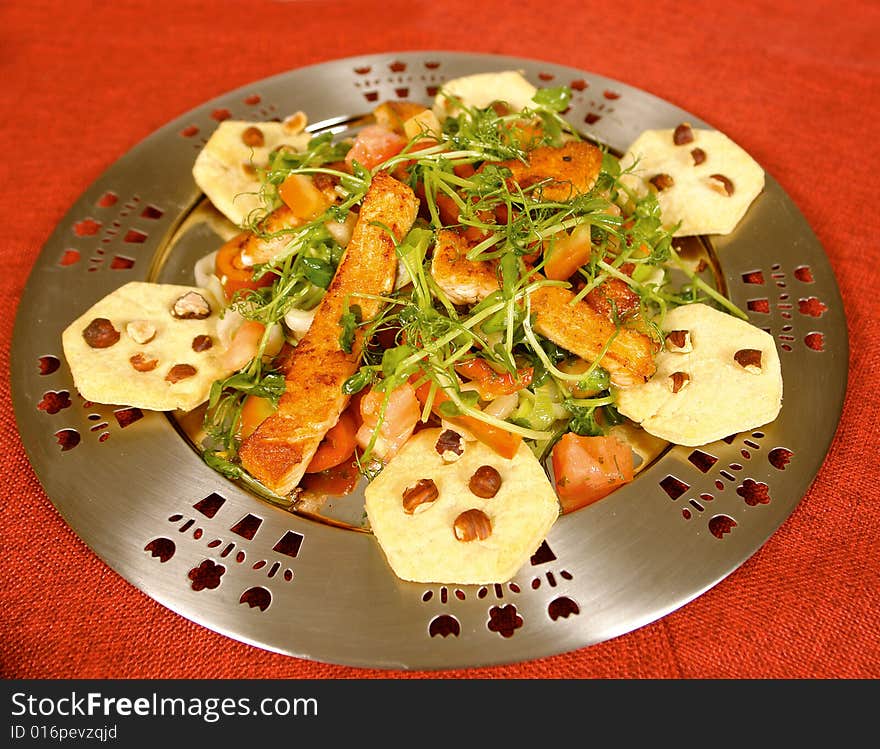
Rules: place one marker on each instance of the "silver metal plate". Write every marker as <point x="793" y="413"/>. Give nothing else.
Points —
<point x="132" y="488"/>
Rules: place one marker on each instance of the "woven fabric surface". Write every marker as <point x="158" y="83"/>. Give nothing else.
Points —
<point x="795" y="83"/>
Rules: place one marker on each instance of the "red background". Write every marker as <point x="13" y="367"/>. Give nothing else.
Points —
<point x="795" y="83"/>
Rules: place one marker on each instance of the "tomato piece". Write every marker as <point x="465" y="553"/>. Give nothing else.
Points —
<point x="337" y="446"/>
<point x="373" y="145"/>
<point x="302" y="197"/>
<point x="567" y="253"/>
<point x="234" y="275"/>
<point x="589" y="468"/>
<point x="254" y="411"/>
<point x="401" y="416"/>
<point x="505" y="443"/>
<point x="491" y="384"/>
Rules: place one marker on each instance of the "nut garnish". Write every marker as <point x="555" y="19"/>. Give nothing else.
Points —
<point x="683" y="134"/>
<point x="143" y="363"/>
<point x="721" y="184"/>
<point x="699" y="156"/>
<point x="662" y="181"/>
<point x="424" y="491"/>
<point x="191" y="306"/>
<point x="679" y="341"/>
<point x="679" y="380"/>
<point x="485" y="482"/>
<point x="471" y="525"/>
<point x="141" y="331"/>
<point x="180" y="372"/>
<point x="249" y="169"/>
<point x="450" y="445"/>
<point x="749" y="359"/>
<point x="100" y="333"/>
<point x="202" y="343"/>
<point x="253" y="137"/>
<point x="295" y="123"/>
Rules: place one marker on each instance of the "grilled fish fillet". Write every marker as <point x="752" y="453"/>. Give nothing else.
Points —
<point x="565" y="171"/>
<point x="279" y="450"/>
<point x="577" y="328"/>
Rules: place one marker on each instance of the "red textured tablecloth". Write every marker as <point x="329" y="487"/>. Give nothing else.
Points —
<point x="794" y="82"/>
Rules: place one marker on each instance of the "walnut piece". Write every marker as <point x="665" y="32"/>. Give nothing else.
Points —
<point x="471" y="525"/>
<point x="721" y="184"/>
<point x="450" y="445"/>
<point x="143" y="363"/>
<point x="662" y="181"/>
<point x="683" y="134"/>
<point x="191" y="306"/>
<point x="423" y="492"/>
<point x="679" y="341"/>
<point x="749" y="359"/>
<point x="141" y="331"/>
<point x="180" y="372"/>
<point x="680" y="380"/>
<point x="100" y="333"/>
<point x="485" y="482"/>
<point x="253" y="137"/>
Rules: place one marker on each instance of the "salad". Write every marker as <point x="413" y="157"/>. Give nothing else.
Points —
<point x="516" y="215"/>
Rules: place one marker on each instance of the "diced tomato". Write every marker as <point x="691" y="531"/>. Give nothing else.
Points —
<point x="254" y="412"/>
<point x="373" y="145"/>
<point x="491" y="384"/>
<point x="567" y="253"/>
<point x="232" y="272"/>
<point x="302" y="197"/>
<point x="589" y="468"/>
<point x="337" y="446"/>
<point x="400" y="418"/>
<point x="335" y="482"/>
<point x="505" y="443"/>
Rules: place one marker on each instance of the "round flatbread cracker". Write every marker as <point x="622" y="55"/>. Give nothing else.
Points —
<point x="481" y="89"/>
<point x="422" y="546"/>
<point x="723" y="379"/>
<point x="225" y="169"/>
<point x="138" y="368"/>
<point x="705" y="184"/>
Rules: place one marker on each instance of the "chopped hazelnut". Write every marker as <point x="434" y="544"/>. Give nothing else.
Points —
<point x="202" y="343"/>
<point x="471" y="525"/>
<point x="423" y="492"/>
<point x="749" y="359"/>
<point x="680" y="380"/>
<point x="679" y="341"/>
<point x="253" y="137"/>
<point x="141" y="331"/>
<point x="450" y="445"/>
<point x="191" y="306"/>
<point x="662" y="181"/>
<point x="485" y="482"/>
<point x="100" y="333"/>
<point x="698" y="155"/>
<point x="683" y="134"/>
<point x="180" y="372"/>
<point x="721" y="184"/>
<point x="296" y="123"/>
<point x="143" y="363"/>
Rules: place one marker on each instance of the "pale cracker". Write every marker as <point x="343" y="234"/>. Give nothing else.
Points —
<point x="422" y="547"/>
<point x="481" y="89"/>
<point x="721" y="398"/>
<point x="695" y="199"/>
<point x="224" y="168"/>
<point x="106" y="375"/>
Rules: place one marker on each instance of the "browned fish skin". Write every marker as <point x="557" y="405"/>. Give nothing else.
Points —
<point x="577" y="328"/>
<point x="463" y="281"/>
<point x="279" y="450"/>
<point x="566" y="171"/>
<point x="584" y="331"/>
